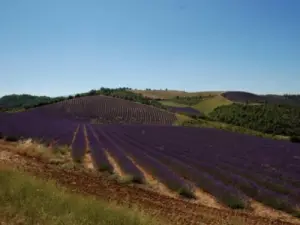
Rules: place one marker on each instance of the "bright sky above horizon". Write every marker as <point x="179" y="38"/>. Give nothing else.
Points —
<point x="61" y="47"/>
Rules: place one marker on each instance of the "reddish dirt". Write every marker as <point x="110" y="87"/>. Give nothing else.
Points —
<point x="174" y="211"/>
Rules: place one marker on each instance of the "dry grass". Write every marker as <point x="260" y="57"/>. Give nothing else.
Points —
<point x="265" y="211"/>
<point x="55" y="155"/>
<point x="28" y="200"/>
<point x="181" y="119"/>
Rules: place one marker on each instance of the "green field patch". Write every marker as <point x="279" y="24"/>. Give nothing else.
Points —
<point x="208" y="105"/>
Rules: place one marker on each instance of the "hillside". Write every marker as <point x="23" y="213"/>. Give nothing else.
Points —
<point x="246" y="97"/>
<point x="104" y="110"/>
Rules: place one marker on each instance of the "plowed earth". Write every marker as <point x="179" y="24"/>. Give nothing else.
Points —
<point x="173" y="211"/>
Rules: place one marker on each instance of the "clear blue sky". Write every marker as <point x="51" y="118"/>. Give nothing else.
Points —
<point x="59" y="47"/>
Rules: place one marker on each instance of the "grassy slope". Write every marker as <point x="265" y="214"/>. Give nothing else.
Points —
<point x="27" y="200"/>
<point x="173" y="104"/>
<point x="181" y="119"/>
<point x="208" y="105"/>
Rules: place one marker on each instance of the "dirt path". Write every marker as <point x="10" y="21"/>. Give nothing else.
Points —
<point x="175" y="211"/>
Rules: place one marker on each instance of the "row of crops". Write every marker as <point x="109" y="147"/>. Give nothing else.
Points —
<point x="230" y="166"/>
<point x="107" y="110"/>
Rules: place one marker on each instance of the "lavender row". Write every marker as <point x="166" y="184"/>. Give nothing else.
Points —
<point x="79" y="145"/>
<point x="247" y="186"/>
<point x="99" y="158"/>
<point x="264" y="181"/>
<point x="258" y="151"/>
<point x="160" y="171"/>
<point x="225" y="193"/>
<point x="117" y="153"/>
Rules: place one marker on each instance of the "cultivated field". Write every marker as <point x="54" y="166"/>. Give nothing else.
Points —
<point x="106" y="110"/>
<point x="226" y="171"/>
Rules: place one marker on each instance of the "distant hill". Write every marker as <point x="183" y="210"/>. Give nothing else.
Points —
<point x="105" y="110"/>
<point x="246" y="97"/>
<point x="21" y="101"/>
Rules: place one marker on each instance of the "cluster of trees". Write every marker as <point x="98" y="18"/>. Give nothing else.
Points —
<point x="24" y="101"/>
<point x="295" y="98"/>
<point x="267" y="118"/>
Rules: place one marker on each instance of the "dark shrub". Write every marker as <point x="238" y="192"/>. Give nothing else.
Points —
<point x="295" y="139"/>
<point x="1" y="135"/>
<point x="184" y="192"/>
<point x="234" y="202"/>
<point x="11" y="138"/>
<point x="77" y="160"/>
<point x="131" y="179"/>
<point x="104" y="168"/>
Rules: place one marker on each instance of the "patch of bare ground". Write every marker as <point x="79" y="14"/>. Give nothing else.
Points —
<point x="265" y="211"/>
<point x="75" y="134"/>
<point x="116" y="168"/>
<point x="175" y="211"/>
<point x="206" y="199"/>
<point x="88" y="162"/>
<point x="153" y="182"/>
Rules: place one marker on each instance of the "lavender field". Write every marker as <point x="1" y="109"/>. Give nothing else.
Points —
<point x="106" y="110"/>
<point x="232" y="167"/>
